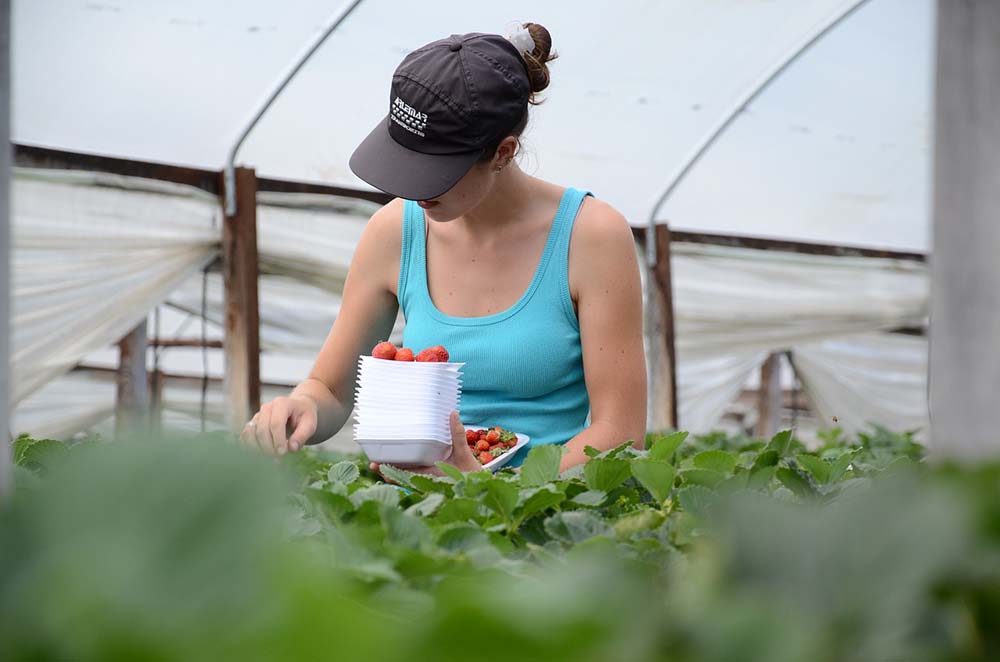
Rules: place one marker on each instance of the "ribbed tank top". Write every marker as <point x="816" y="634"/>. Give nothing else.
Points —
<point x="524" y="365"/>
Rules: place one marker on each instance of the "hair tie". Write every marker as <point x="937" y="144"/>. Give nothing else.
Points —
<point x="519" y="35"/>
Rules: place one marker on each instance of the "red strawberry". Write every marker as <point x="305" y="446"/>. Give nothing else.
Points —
<point x="471" y="436"/>
<point x="405" y="354"/>
<point x="485" y="458"/>
<point x="482" y="445"/>
<point x="493" y="437"/>
<point x="384" y="350"/>
<point x="441" y="352"/>
<point x="429" y="355"/>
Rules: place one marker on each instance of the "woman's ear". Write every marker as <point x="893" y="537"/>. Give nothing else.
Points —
<point x="506" y="151"/>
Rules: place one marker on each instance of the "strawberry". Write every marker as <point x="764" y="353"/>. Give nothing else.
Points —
<point x="485" y="458"/>
<point x="405" y="354"/>
<point x="441" y="352"/>
<point x="429" y="355"/>
<point x="482" y="445"/>
<point x="471" y="436"/>
<point x="493" y="437"/>
<point x="384" y="350"/>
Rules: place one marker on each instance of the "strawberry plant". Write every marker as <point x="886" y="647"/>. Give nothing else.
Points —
<point x="692" y="548"/>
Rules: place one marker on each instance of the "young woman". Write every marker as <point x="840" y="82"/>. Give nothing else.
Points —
<point x="535" y="287"/>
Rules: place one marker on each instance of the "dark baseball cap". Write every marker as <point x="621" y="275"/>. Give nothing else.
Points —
<point x="450" y="101"/>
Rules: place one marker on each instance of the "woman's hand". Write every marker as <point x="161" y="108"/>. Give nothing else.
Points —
<point x="282" y="425"/>
<point x="460" y="456"/>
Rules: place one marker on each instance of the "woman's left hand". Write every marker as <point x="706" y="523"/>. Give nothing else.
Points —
<point x="460" y="455"/>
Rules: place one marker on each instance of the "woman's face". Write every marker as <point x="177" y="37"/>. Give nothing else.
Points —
<point x="471" y="189"/>
<point x="463" y="196"/>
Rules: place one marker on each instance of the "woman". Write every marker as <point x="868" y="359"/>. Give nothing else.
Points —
<point x="533" y="286"/>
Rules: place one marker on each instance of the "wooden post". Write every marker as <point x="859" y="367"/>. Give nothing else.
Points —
<point x="662" y="358"/>
<point x="132" y="400"/>
<point x="6" y="463"/>
<point x="769" y="398"/>
<point x="241" y="343"/>
<point x="965" y="271"/>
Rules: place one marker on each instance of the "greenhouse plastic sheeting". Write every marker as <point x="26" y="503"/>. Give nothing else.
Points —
<point x="867" y="378"/>
<point x="93" y="253"/>
<point x="734" y="306"/>
<point x="835" y="150"/>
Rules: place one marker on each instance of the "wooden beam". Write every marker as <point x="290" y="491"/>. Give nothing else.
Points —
<point x="29" y="156"/>
<point x="662" y="360"/>
<point x="132" y="392"/>
<point x="769" y="398"/>
<point x="767" y="244"/>
<point x="241" y="342"/>
<point x="965" y="273"/>
<point x="185" y="342"/>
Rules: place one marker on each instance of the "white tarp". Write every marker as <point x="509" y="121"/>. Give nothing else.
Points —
<point x="836" y="150"/>
<point x="734" y="306"/>
<point x="92" y="255"/>
<point x="867" y="378"/>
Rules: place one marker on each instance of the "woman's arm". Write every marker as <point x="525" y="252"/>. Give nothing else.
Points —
<point x="604" y="282"/>
<point x="319" y="406"/>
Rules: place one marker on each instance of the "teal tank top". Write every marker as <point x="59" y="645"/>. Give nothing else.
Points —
<point x="524" y="365"/>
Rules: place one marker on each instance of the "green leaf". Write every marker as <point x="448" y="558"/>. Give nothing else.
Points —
<point x="618" y="450"/>
<point x="663" y="448"/>
<point x="534" y="500"/>
<point x="705" y="477"/>
<point x="541" y="465"/>
<point x="590" y="451"/>
<point x="335" y="505"/>
<point x="767" y="458"/>
<point x="590" y="498"/>
<point x="644" y="520"/>
<point x="424" y="483"/>
<point x="457" y="509"/>
<point x="795" y="482"/>
<point x="396" y="475"/>
<point x="840" y="466"/>
<point x="462" y="538"/>
<point x="715" y="460"/>
<point x="606" y="475"/>
<point x="780" y="442"/>
<point x="817" y="467"/>
<point x="696" y="499"/>
<point x="343" y="472"/>
<point x="657" y="477"/>
<point x="428" y="506"/>
<point x="450" y="470"/>
<point x="501" y="498"/>
<point x="37" y="454"/>
<point x="404" y="529"/>
<point x="575" y="526"/>
<point x="760" y="478"/>
<point x="381" y="493"/>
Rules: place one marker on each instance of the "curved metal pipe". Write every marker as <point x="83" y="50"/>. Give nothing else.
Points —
<point x="303" y="56"/>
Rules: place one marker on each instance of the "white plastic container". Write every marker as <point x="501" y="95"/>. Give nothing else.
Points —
<point x="405" y="452"/>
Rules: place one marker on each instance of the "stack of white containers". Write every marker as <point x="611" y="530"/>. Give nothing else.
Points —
<point x="401" y="409"/>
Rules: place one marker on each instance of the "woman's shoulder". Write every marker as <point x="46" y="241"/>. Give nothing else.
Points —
<point x="597" y="222"/>
<point x="378" y="249"/>
<point x="387" y="221"/>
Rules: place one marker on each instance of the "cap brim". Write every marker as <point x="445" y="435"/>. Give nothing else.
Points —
<point x="404" y="173"/>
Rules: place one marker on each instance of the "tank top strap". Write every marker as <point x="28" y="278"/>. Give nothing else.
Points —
<point x="557" y="273"/>
<point x="412" y="260"/>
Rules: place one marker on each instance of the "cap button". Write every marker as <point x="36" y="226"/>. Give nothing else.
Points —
<point x="455" y="46"/>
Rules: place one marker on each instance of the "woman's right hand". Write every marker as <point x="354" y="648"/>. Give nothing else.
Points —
<point x="282" y="425"/>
